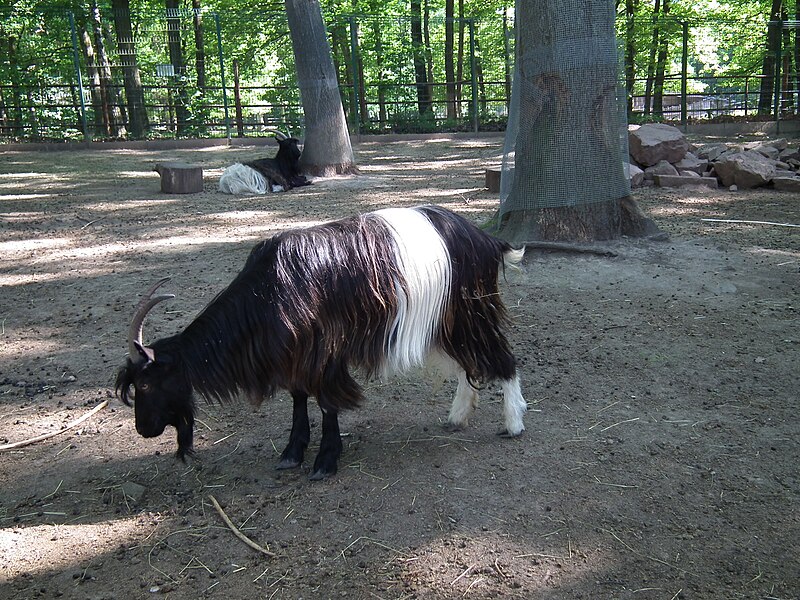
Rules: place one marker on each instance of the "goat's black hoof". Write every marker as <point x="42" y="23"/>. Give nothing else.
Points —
<point x="503" y="433"/>
<point x="452" y="427"/>
<point x="288" y="463"/>
<point x="320" y="475"/>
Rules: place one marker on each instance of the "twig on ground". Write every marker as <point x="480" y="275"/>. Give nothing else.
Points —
<point x="567" y="247"/>
<point x="466" y="572"/>
<point x="238" y="533"/>
<point x="46" y="436"/>
<point x="746" y="222"/>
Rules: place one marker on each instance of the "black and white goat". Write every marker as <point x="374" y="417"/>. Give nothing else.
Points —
<point x="265" y="175"/>
<point x="377" y="293"/>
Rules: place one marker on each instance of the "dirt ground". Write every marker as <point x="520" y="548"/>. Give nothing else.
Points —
<point x="661" y="453"/>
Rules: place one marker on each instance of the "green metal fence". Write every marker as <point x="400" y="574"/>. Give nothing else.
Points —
<point x="67" y="75"/>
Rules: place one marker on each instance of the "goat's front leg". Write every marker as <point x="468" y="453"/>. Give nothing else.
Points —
<point x="330" y="447"/>
<point x="292" y="455"/>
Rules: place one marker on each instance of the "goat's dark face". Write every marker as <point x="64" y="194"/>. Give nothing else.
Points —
<point x="157" y="384"/>
<point x="289" y="148"/>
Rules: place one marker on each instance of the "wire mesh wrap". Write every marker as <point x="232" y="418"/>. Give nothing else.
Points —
<point x="566" y="140"/>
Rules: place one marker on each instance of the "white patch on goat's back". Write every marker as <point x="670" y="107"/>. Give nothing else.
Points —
<point x="424" y="261"/>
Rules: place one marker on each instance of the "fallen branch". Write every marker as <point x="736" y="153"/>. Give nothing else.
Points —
<point x="749" y="222"/>
<point x="236" y="531"/>
<point x="45" y="436"/>
<point x="567" y="247"/>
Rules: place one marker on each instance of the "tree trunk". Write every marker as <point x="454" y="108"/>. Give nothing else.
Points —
<point x="14" y="111"/>
<point x="100" y="116"/>
<point x="768" y="65"/>
<point x="661" y="64"/>
<point x="651" y="62"/>
<point x="630" y="52"/>
<point x="182" y="112"/>
<point x="341" y="48"/>
<point x="449" y="62"/>
<point x="426" y="36"/>
<point x="460" y="63"/>
<point x="138" y="121"/>
<point x="508" y="58"/>
<point x="796" y="54"/>
<point x="376" y="29"/>
<point x="787" y="105"/>
<point x="327" y="148"/>
<point x="363" y="109"/>
<point x="479" y="79"/>
<point x="565" y="91"/>
<point x="424" y="100"/>
<point x="199" y="48"/>
<point x="108" y="92"/>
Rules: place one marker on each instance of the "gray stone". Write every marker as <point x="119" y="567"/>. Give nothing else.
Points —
<point x="789" y="154"/>
<point x="689" y="174"/>
<point x="691" y="162"/>
<point x="710" y="151"/>
<point x="766" y="150"/>
<point x="679" y="180"/>
<point x="744" y="169"/>
<point x="653" y="142"/>
<point x="132" y="490"/>
<point x="787" y="184"/>
<point x="661" y="168"/>
<point x="636" y="175"/>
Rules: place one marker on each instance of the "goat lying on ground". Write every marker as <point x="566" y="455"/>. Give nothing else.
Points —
<point x="266" y="174"/>
<point x="380" y="293"/>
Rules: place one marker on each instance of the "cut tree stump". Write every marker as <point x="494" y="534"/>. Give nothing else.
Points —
<point x="180" y="178"/>
<point x="493" y="180"/>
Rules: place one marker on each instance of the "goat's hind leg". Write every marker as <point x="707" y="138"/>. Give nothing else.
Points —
<point x="292" y="455"/>
<point x="514" y="407"/>
<point x="464" y="403"/>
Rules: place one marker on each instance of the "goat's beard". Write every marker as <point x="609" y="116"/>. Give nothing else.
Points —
<point x="185" y="428"/>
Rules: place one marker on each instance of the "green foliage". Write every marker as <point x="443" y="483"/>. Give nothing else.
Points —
<point x="371" y="43"/>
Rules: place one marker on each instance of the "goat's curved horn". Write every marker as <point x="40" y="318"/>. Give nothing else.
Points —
<point x="279" y="135"/>
<point x="145" y="305"/>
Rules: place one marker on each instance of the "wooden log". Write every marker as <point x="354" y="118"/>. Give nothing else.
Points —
<point x="180" y="178"/>
<point x="493" y="180"/>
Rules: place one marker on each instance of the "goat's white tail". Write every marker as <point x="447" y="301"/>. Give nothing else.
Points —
<point x="512" y="258"/>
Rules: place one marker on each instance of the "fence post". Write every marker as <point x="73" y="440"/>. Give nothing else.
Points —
<point x="77" y="65"/>
<point x="684" y="75"/>
<point x="473" y="67"/>
<point x="237" y="99"/>
<point x="222" y="76"/>
<point x="356" y="80"/>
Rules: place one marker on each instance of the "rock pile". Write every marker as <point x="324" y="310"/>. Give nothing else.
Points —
<point x="661" y="155"/>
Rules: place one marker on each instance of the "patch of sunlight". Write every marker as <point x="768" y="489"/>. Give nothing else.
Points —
<point x="242" y="215"/>
<point x="789" y="257"/>
<point x="679" y="211"/>
<point x="21" y="217"/>
<point x="529" y="561"/>
<point x="137" y="174"/>
<point x="26" y="176"/>
<point x="47" y="548"/>
<point x="24" y="196"/>
<point x="33" y="345"/>
<point x="110" y="206"/>
<point x="451" y="192"/>
<point x="8" y="280"/>
<point x="33" y="244"/>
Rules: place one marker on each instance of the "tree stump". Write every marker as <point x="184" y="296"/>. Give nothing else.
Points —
<point x="180" y="178"/>
<point x="493" y="180"/>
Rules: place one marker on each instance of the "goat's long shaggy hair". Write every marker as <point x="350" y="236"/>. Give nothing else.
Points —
<point x="378" y="293"/>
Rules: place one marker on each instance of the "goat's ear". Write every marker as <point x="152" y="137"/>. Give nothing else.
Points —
<point x="146" y="353"/>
